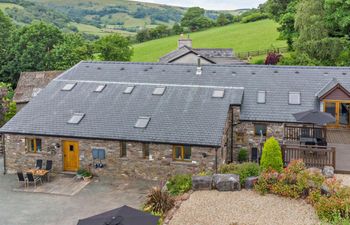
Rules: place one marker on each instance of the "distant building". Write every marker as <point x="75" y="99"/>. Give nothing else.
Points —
<point x="188" y="55"/>
<point x="30" y="84"/>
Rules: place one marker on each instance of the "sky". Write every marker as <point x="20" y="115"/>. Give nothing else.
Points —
<point x="211" y="4"/>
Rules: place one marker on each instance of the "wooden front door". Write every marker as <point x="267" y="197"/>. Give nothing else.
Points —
<point x="70" y="155"/>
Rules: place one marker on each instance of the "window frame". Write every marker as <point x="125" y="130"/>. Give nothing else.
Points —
<point x="264" y="97"/>
<point x="260" y="124"/>
<point x="32" y="145"/>
<point x="145" y="150"/>
<point x="98" y="149"/>
<point x="182" y="153"/>
<point x="294" y="93"/>
<point x="123" y="149"/>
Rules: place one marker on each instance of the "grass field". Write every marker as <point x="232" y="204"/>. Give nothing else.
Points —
<point x="3" y="6"/>
<point x="241" y="37"/>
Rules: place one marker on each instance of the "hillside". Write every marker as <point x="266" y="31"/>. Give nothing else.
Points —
<point x="241" y="37"/>
<point x="97" y="17"/>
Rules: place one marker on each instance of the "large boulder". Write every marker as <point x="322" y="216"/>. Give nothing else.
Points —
<point x="226" y="182"/>
<point x="250" y="182"/>
<point x="314" y="170"/>
<point x="328" y="171"/>
<point x="201" y="183"/>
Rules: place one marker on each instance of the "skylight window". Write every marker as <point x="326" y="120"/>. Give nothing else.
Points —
<point x="100" y="88"/>
<point x="218" y="93"/>
<point x="261" y="97"/>
<point x="159" y="91"/>
<point x="76" y="118"/>
<point x="142" y="122"/>
<point x="294" y="98"/>
<point x="68" y="87"/>
<point x="129" y="90"/>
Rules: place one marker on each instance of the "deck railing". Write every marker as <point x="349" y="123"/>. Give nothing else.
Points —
<point x="294" y="133"/>
<point x="313" y="156"/>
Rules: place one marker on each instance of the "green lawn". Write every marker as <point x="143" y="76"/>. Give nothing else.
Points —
<point x="241" y="37"/>
<point x="3" y="6"/>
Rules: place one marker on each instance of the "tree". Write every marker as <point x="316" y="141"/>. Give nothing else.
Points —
<point x="29" y="50"/>
<point x="7" y="105"/>
<point x="6" y="29"/>
<point x="337" y="17"/>
<point x="177" y="29"/>
<point x="273" y="58"/>
<point x="114" y="48"/>
<point x="72" y="49"/>
<point x="195" y="19"/>
<point x="271" y="156"/>
<point x="309" y="20"/>
<point x="222" y="20"/>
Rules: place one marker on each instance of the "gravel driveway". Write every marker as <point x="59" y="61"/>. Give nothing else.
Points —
<point x="242" y="208"/>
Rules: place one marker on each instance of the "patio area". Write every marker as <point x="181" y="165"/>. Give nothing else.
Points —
<point x="60" y="184"/>
<point x="102" y="194"/>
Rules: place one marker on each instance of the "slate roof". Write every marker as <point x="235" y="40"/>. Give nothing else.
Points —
<point x="186" y="113"/>
<point x="213" y="55"/>
<point x="31" y="83"/>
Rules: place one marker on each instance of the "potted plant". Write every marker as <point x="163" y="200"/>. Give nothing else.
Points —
<point x="80" y="173"/>
<point x="87" y="175"/>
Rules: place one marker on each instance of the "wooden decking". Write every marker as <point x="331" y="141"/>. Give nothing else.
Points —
<point x="60" y="185"/>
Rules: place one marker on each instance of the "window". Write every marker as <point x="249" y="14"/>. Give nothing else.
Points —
<point x="129" y="90"/>
<point x="76" y="118"/>
<point x="98" y="153"/>
<point x="142" y="122"/>
<point x="33" y="145"/>
<point x="294" y="98"/>
<point x="260" y="129"/>
<point x="68" y="87"/>
<point x="218" y="93"/>
<point x="100" y="88"/>
<point x="122" y="149"/>
<point x="182" y="153"/>
<point x="261" y="97"/>
<point x="145" y="151"/>
<point x="159" y="91"/>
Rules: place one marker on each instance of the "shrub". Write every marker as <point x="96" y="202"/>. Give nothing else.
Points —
<point x="272" y="156"/>
<point x="244" y="170"/>
<point x="158" y="201"/>
<point x="242" y="155"/>
<point x="254" y="17"/>
<point x="179" y="184"/>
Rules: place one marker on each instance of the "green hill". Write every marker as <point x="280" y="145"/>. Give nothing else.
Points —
<point x="241" y="37"/>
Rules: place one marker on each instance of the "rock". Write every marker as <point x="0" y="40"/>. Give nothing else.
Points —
<point x="328" y="171"/>
<point x="201" y="183"/>
<point x="314" y="170"/>
<point x="250" y="182"/>
<point x="325" y="190"/>
<point x="226" y="182"/>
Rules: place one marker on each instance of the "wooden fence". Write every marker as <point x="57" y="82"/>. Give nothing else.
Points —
<point x="246" y="55"/>
<point x="313" y="156"/>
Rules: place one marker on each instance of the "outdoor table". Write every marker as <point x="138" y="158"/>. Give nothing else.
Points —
<point x="38" y="172"/>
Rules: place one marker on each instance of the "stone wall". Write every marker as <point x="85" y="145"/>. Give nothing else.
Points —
<point x="244" y="135"/>
<point x="159" y="166"/>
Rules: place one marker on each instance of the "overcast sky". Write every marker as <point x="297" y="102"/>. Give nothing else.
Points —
<point x="211" y="4"/>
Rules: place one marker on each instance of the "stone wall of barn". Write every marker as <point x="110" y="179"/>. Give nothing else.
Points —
<point x="244" y="136"/>
<point x="159" y="166"/>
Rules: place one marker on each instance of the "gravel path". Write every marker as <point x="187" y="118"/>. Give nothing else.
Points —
<point x="345" y="178"/>
<point x="243" y="208"/>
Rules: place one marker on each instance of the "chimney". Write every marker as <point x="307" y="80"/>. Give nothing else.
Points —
<point x="183" y="41"/>
<point x="199" y="67"/>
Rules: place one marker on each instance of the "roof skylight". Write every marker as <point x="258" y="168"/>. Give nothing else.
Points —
<point x="294" y="98"/>
<point x="76" y="118"/>
<point x="159" y="91"/>
<point x="129" y="90"/>
<point x="261" y="97"/>
<point x="68" y="87"/>
<point x="142" y="122"/>
<point x="218" y="93"/>
<point x="100" y="88"/>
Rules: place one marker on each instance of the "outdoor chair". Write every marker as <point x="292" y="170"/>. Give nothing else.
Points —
<point x="39" y="164"/>
<point x="33" y="180"/>
<point x="48" y="168"/>
<point x="21" y="179"/>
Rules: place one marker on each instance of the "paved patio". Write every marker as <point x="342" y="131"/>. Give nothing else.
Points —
<point x="59" y="184"/>
<point x="20" y="208"/>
